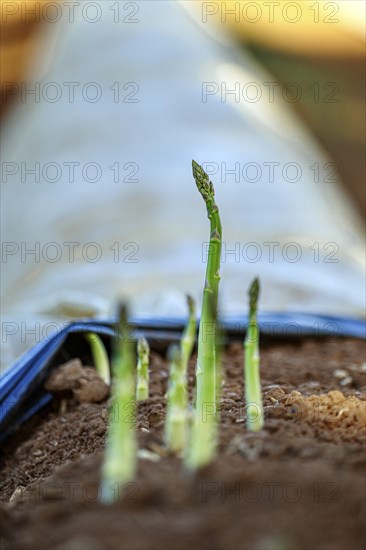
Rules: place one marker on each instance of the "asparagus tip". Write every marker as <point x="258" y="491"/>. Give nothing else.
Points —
<point x="253" y="294"/>
<point x="191" y="305"/>
<point x="195" y="165"/>
<point x="204" y="185"/>
<point x="122" y="314"/>
<point x="173" y="353"/>
<point x="142" y="346"/>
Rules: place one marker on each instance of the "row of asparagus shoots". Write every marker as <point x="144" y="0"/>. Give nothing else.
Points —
<point x="196" y="443"/>
<point x="101" y="362"/>
<point x="119" y="465"/>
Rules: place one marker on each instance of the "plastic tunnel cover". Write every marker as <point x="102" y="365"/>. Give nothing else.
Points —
<point x="114" y="210"/>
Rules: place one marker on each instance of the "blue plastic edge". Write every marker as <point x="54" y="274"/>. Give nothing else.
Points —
<point x="19" y="382"/>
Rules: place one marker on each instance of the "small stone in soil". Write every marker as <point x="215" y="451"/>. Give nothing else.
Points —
<point x="347" y="381"/>
<point x="340" y="373"/>
<point x="145" y="454"/>
<point x="84" y="382"/>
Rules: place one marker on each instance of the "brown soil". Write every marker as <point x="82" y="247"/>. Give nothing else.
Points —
<point x="297" y="485"/>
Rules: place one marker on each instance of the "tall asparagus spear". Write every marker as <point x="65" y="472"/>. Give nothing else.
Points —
<point x="253" y="394"/>
<point x="218" y="361"/>
<point x="177" y="413"/>
<point x="203" y="442"/>
<point x="142" y="385"/>
<point x="100" y="356"/>
<point x="121" y="450"/>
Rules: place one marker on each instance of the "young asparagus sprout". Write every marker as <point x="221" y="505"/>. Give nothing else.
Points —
<point x="100" y="356"/>
<point x="203" y="442"/>
<point x="176" y="419"/>
<point x="121" y="450"/>
<point x="143" y="353"/>
<point x="189" y="334"/>
<point x="253" y="394"/>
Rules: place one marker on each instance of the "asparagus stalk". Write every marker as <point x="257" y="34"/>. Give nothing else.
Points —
<point x="189" y="334"/>
<point x="100" y="356"/>
<point x="143" y="353"/>
<point x="203" y="443"/>
<point x="218" y="358"/>
<point x="177" y="414"/>
<point x="176" y="420"/>
<point x="253" y="394"/>
<point x="121" y="450"/>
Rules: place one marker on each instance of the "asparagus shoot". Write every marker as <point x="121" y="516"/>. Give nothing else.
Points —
<point x="177" y="414"/>
<point x="143" y="353"/>
<point x="203" y="442"/>
<point x="189" y="334"/>
<point x="218" y="361"/>
<point x="100" y="356"/>
<point x="253" y="394"/>
<point x="121" y="450"/>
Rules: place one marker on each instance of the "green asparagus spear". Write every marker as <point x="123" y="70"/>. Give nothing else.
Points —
<point x="189" y="334"/>
<point x="100" y="356"/>
<point x="203" y="442"/>
<point x="121" y="450"/>
<point x="177" y="413"/>
<point x="253" y="394"/>
<point x="218" y="358"/>
<point x="142" y="386"/>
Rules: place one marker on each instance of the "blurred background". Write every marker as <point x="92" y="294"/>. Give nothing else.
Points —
<point x="326" y="44"/>
<point x="173" y="79"/>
